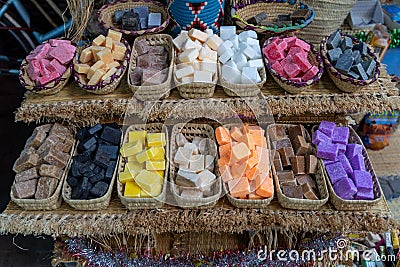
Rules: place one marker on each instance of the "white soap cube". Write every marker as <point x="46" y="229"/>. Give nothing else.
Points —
<point x="196" y="64"/>
<point x="209" y="32"/>
<point x="235" y="41"/>
<point x="243" y="36"/>
<point x="210" y="66"/>
<point x="228" y="54"/>
<point x="231" y="64"/>
<point x="249" y="52"/>
<point x="205" y="146"/>
<point x="202" y="76"/>
<point x="257" y="49"/>
<point x="250" y="41"/>
<point x="249" y="75"/>
<point x="189" y="44"/>
<point x="225" y="32"/>
<point x="258" y="63"/>
<point x="196" y="140"/>
<point x="182" y="156"/>
<point x="199" y="35"/>
<point x="184" y="166"/>
<point x="206" y="178"/>
<point x="214" y="42"/>
<point x="187" y="79"/>
<point x="194" y="150"/>
<point x="224" y="46"/>
<point x="209" y="162"/>
<point x="188" y="55"/>
<point x="207" y="53"/>
<point x="231" y="75"/>
<point x="186" y="71"/>
<point x="181" y="139"/>
<point x="198" y="44"/>
<point x="187" y="178"/>
<point x="196" y="163"/>
<point x="240" y="60"/>
<point x="252" y="34"/>
<point x="179" y="41"/>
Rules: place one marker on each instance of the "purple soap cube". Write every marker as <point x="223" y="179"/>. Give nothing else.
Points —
<point x="327" y="127"/>
<point x="345" y="189"/>
<point x="319" y="137"/>
<point x="346" y="164"/>
<point x="327" y="161"/>
<point x="341" y="148"/>
<point x="367" y="195"/>
<point x="336" y="172"/>
<point x="352" y="150"/>
<point x="357" y="162"/>
<point x="341" y="135"/>
<point x="327" y="151"/>
<point x="362" y="180"/>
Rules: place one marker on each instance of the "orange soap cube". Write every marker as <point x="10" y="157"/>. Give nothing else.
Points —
<point x="238" y="170"/>
<point x="225" y="171"/>
<point x="236" y="133"/>
<point x="239" y="187"/>
<point x="263" y="156"/>
<point x="253" y="160"/>
<point x="248" y="140"/>
<point x="254" y="196"/>
<point x="224" y="161"/>
<point x="258" y="139"/>
<point x="264" y="186"/>
<point x="254" y="129"/>
<point x="225" y="150"/>
<point x="240" y="151"/>
<point x="251" y="173"/>
<point x="223" y="136"/>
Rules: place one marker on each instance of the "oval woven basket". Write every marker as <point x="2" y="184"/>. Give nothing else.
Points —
<point x="245" y="10"/>
<point x="289" y="85"/>
<point x="153" y="92"/>
<point x="108" y="86"/>
<point x="50" y="88"/>
<point x="106" y="15"/>
<point x="343" y="82"/>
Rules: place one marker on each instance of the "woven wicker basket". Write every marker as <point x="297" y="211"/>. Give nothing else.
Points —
<point x="355" y="205"/>
<point x="106" y="15"/>
<point x="51" y="203"/>
<point x="242" y="90"/>
<point x="190" y="130"/>
<point x="91" y="204"/>
<point x="144" y="203"/>
<point x="245" y="203"/>
<point x="248" y="8"/>
<point x="108" y="86"/>
<point x="343" y="82"/>
<point x="196" y="90"/>
<point x="291" y="86"/>
<point x="50" y="88"/>
<point x="302" y="204"/>
<point x="153" y="92"/>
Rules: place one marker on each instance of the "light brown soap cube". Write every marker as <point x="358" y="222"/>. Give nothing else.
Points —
<point x="56" y="157"/>
<point x="109" y="43"/>
<point x="295" y="131"/>
<point x="298" y="164"/>
<point x="300" y="146"/>
<point x="81" y="68"/>
<point x="109" y="73"/>
<point x="96" y="78"/>
<point x="26" y="175"/>
<point x="45" y="187"/>
<point x="293" y="191"/>
<point x="25" y="189"/>
<point x="113" y="64"/>
<point x="99" y="40"/>
<point x="119" y="47"/>
<point x="60" y="130"/>
<point x="95" y="51"/>
<point x="308" y="192"/>
<point x="116" y="36"/>
<point x="311" y="164"/>
<point x="68" y="143"/>
<point x="118" y="56"/>
<point x="52" y="171"/>
<point x="305" y="179"/>
<point x="86" y="55"/>
<point x="36" y="139"/>
<point x="285" y="176"/>
<point x="26" y="161"/>
<point x="157" y="50"/>
<point x="105" y="56"/>
<point x="98" y="65"/>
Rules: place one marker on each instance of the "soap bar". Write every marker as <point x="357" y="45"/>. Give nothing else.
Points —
<point x="344" y="63"/>
<point x="26" y="161"/>
<point x="45" y="187"/>
<point x="240" y="151"/>
<point x="362" y="180"/>
<point x="264" y="186"/>
<point x="336" y="172"/>
<point x="319" y="137"/>
<point x="116" y="36"/>
<point x="214" y="42"/>
<point x="306" y="179"/>
<point x="345" y="189"/>
<point x="202" y="76"/>
<point x="196" y="163"/>
<point x="334" y="40"/>
<point x="187" y="178"/>
<point x="134" y="167"/>
<point x="358" y="68"/>
<point x="284" y="176"/>
<point x="278" y="164"/>
<point x="46" y="170"/>
<point x="327" y="128"/>
<point x="365" y="195"/>
<point x="357" y="162"/>
<point x="262" y="159"/>
<point x="105" y="56"/>
<point x="327" y="151"/>
<point x="99" y="40"/>
<point x="286" y="153"/>
<point x="298" y="164"/>
<point x="132" y="190"/>
<point x="156" y="139"/>
<point x="346" y="43"/>
<point x="150" y="182"/>
<point x="226" y="174"/>
<point x="206" y="178"/>
<point x="25" y="189"/>
<point x="130" y="149"/>
<point x="353" y="150"/>
<point x="155" y="165"/>
<point x="26" y="175"/>
<point x="300" y="146"/>
<point x="154" y="20"/>
<point x="125" y="177"/>
<point x="293" y="191"/>
<point x="239" y="187"/>
<point x="311" y="164"/>
<point x="226" y="32"/>
<point x="369" y="66"/>
<point x="346" y="164"/>
<point x="341" y="135"/>
<point x="56" y="157"/>
<point x="308" y="192"/>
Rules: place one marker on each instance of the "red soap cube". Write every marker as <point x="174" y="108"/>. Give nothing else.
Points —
<point x="310" y="74"/>
<point x="58" y="67"/>
<point x="43" y="67"/>
<point x="48" y="78"/>
<point x="295" y="50"/>
<point x="292" y="70"/>
<point x="302" y="44"/>
<point x="282" y="46"/>
<point x="34" y="69"/>
<point x="290" y="41"/>
<point x="274" y="54"/>
<point x="278" y="68"/>
<point x="302" y="62"/>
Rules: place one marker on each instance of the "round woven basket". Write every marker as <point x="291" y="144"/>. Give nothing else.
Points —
<point x="106" y="15"/>
<point x="247" y="9"/>
<point x="289" y="85"/>
<point x="50" y="88"/>
<point x="343" y="82"/>
<point x="108" y="86"/>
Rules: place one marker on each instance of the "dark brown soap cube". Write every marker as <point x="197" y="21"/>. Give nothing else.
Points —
<point x="143" y="61"/>
<point x="308" y="192"/>
<point x="305" y="179"/>
<point x="26" y="175"/>
<point x="26" y="161"/>
<point x="157" y="50"/>
<point x="284" y="142"/>
<point x="59" y="130"/>
<point x="278" y="165"/>
<point x="136" y="76"/>
<point x="311" y="164"/>
<point x="286" y="153"/>
<point x="141" y="47"/>
<point x="68" y="143"/>
<point x="300" y="146"/>
<point x="56" y="157"/>
<point x="45" y="187"/>
<point x="276" y="154"/>
<point x="50" y="142"/>
<point x="47" y="170"/>
<point x="286" y="183"/>
<point x="293" y="191"/>
<point x="284" y="176"/>
<point x="295" y="131"/>
<point x="277" y="132"/>
<point x="298" y="164"/>
<point x="25" y="189"/>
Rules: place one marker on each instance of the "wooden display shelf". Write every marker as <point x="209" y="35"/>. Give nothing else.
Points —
<point x="79" y="107"/>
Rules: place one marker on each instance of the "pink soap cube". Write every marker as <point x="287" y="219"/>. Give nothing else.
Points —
<point x="39" y="52"/>
<point x="278" y="68"/>
<point x="48" y="78"/>
<point x="302" y="62"/>
<point x="296" y="80"/>
<point x="56" y="42"/>
<point x="276" y="41"/>
<point x="43" y="67"/>
<point x="295" y="50"/>
<point x="282" y="46"/>
<point x="290" y="41"/>
<point x="292" y="70"/>
<point x="302" y="44"/>
<point x="63" y="53"/>
<point x="33" y="69"/>
<point x="58" y="67"/>
<point x="275" y="55"/>
<point x="310" y="74"/>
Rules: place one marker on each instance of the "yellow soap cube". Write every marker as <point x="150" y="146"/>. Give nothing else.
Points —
<point x="153" y="165"/>
<point x="132" y="190"/>
<point x="137" y="135"/>
<point x="154" y="191"/>
<point x="86" y="55"/>
<point x="134" y="168"/>
<point x="156" y="139"/>
<point x="131" y="159"/>
<point x="161" y="173"/>
<point x="158" y="153"/>
<point x="143" y="194"/>
<point x="147" y="180"/>
<point x="142" y="156"/>
<point x="130" y="149"/>
<point x="125" y="177"/>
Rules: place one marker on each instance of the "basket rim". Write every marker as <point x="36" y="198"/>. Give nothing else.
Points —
<point x="271" y="30"/>
<point x="333" y="71"/>
<point x="289" y="82"/>
<point x="160" y="28"/>
<point x="114" y="78"/>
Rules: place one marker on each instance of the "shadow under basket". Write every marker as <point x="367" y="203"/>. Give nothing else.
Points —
<point x="191" y="130"/>
<point x="144" y="203"/>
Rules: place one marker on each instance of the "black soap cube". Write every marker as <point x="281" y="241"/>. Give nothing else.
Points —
<point x="72" y="181"/>
<point x="334" y="40"/>
<point x="130" y="21"/>
<point x="362" y="47"/>
<point x="369" y="67"/>
<point x="99" y="189"/>
<point x="346" y="43"/>
<point x="103" y="142"/>
<point x="76" y="168"/>
<point x="300" y="14"/>
<point x="118" y="16"/>
<point x="111" y="134"/>
<point x="95" y="129"/>
<point x="348" y="52"/>
<point x="111" y="150"/>
<point x="357" y="56"/>
<point x="88" y="168"/>
<point x="97" y="177"/>
<point x="76" y="192"/>
<point x="285" y="17"/>
<point x="257" y="19"/>
<point x="87" y="144"/>
<point x="354" y="75"/>
<point x="83" y="157"/>
<point x="102" y="159"/>
<point x="344" y="63"/>
<point x="82" y="134"/>
<point x="395" y="185"/>
<point x="334" y="54"/>
<point x="86" y="186"/>
<point x="360" y="70"/>
<point x="110" y="170"/>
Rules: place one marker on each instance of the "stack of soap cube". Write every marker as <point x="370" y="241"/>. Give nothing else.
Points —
<point x="93" y="166"/>
<point x="288" y="57"/>
<point x="195" y="177"/>
<point x="197" y="56"/>
<point x="41" y="164"/>
<point x="144" y="157"/>
<point x="240" y="56"/>
<point x="244" y="162"/>
<point x="49" y="61"/>
<point x="151" y="64"/>
<point x="344" y="162"/>
<point x="137" y="19"/>
<point x="350" y="59"/>
<point x="100" y="61"/>
<point x="294" y="162"/>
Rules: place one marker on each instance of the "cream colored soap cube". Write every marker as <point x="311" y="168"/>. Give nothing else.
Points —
<point x="116" y="36"/>
<point x="240" y="151"/>
<point x="109" y="43"/>
<point x="109" y="73"/>
<point x="95" y="50"/>
<point x="119" y="47"/>
<point x="99" y="40"/>
<point x="86" y="55"/>
<point x="188" y="56"/>
<point x="96" y="78"/>
<point x="94" y="68"/>
<point x="105" y="56"/>
<point x="214" y="42"/>
<point x="189" y="44"/>
<point x="182" y="156"/>
<point x="210" y="66"/>
<point x="199" y="35"/>
<point x="81" y="68"/>
<point x="202" y="76"/>
<point x="186" y="71"/>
